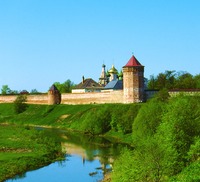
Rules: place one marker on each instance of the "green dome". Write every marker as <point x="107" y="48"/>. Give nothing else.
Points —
<point x="120" y="75"/>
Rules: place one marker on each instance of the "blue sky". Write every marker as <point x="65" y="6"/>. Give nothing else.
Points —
<point x="47" y="41"/>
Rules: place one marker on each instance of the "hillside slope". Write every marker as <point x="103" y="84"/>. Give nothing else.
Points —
<point x="93" y="119"/>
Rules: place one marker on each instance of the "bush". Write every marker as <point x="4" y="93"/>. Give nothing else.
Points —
<point x="115" y="117"/>
<point x="147" y="120"/>
<point x="97" y="121"/>
<point x="20" y="104"/>
<point x="123" y="116"/>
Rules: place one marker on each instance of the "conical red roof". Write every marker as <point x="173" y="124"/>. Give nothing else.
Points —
<point x="133" y="62"/>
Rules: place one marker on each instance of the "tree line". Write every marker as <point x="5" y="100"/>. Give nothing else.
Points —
<point x="5" y="90"/>
<point x="174" y="80"/>
<point x="168" y="80"/>
<point x="65" y="87"/>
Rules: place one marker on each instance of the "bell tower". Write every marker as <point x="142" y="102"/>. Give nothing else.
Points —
<point x="103" y="80"/>
<point x="133" y="81"/>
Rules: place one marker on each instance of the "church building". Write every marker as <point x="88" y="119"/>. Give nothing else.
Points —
<point x="115" y="80"/>
<point x="130" y="81"/>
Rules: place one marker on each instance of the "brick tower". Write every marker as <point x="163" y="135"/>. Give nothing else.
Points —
<point x="54" y="96"/>
<point x="133" y="81"/>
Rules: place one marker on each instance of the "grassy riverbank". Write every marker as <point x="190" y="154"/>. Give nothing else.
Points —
<point x="23" y="149"/>
<point x="113" y="119"/>
<point x="164" y="132"/>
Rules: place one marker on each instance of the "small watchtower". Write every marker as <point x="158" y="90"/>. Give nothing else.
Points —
<point x="54" y="96"/>
<point x="133" y="81"/>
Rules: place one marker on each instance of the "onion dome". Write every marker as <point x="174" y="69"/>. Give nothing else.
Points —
<point x="113" y="70"/>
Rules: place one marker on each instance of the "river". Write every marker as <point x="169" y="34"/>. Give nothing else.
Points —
<point x="87" y="159"/>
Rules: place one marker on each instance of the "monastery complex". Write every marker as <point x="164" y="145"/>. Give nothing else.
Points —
<point x="113" y="87"/>
<point x="130" y="80"/>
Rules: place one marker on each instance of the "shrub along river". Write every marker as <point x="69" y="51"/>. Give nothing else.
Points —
<point x="88" y="158"/>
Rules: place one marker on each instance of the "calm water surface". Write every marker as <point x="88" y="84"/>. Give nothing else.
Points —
<point x="87" y="160"/>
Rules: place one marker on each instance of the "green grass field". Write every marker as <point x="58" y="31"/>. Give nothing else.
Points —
<point x="24" y="149"/>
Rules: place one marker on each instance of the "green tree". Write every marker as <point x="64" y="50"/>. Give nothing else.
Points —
<point x="34" y="91"/>
<point x="180" y="126"/>
<point x="185" y="81"/>
<point x="97" y="122"/>
<point x="197" y="81"/>
<point x="174" y="80"/>
<point x="14" y="92"/>
<point x="65" y="87"/>
<point x="20" y="104"/>
<point x="152" y="82"/>
<point x="161" y="81"/>
<point x="68" y="85"/>
<point x="162" y="95"/>
<point x="122" y="117"/>
<point x="189" y="174"/>
<point x="166" y="143"/>
<point x="148" y="119"/>
<point x="194" y="152"/>
<point x="165" y="80"/>
<point x="124" y="170"/>
<point x="5" y="90"/>
<point x="147" y="162"/>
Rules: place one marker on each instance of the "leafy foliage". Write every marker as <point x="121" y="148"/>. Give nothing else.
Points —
<point x="180" y="127"/>
<point x="123" y="116"/>
<point x="165" y="133"/>
<point x="34" y="92"/>
<point x="124" y="168"/>
<point x="96" y="121"/>
<point x="104" y="118"/>
<point x="166" y="140"/>
<point x="5" y="90"/>
<point x="162" y="95"/>
<point x="93" y="119"/>
<point x="148" y="119"/>
<point x="20" y="104"/>
<point x="194" y="152"/>
<point x="174" y="80"/>
<point x="65" y="87"/>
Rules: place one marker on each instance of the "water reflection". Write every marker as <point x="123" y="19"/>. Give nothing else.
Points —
<point x="71" y="170"/>
<point x="88" y="159"/>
